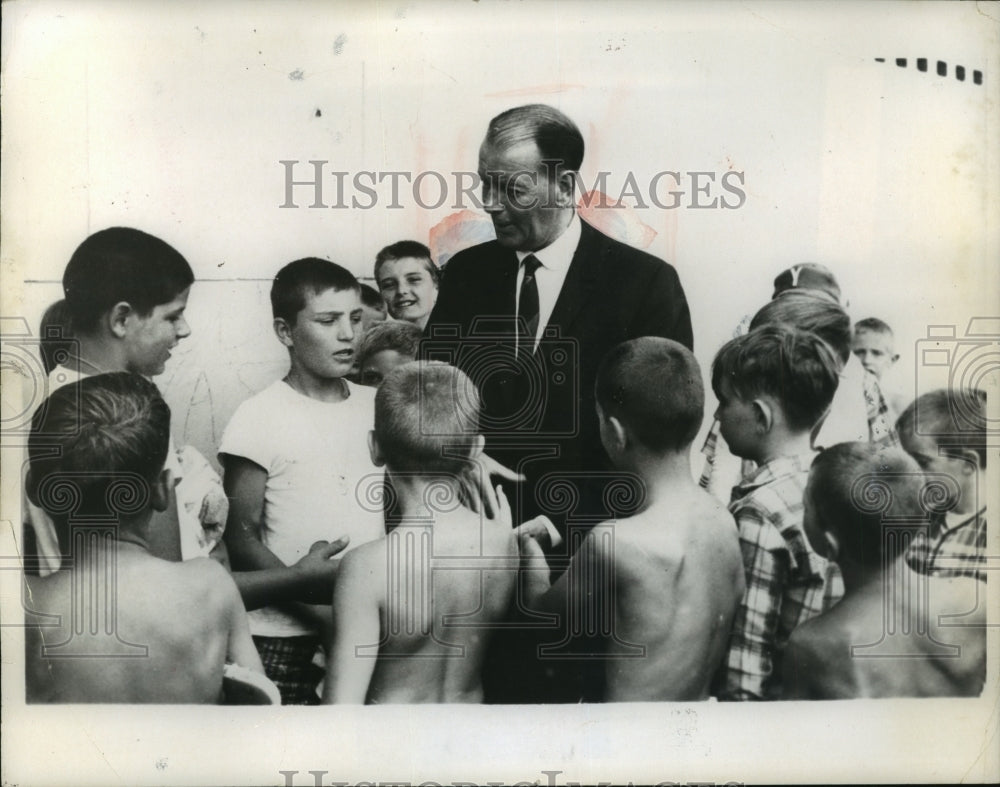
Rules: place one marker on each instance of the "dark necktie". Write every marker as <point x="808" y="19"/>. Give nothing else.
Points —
<point x="527" y="307"/>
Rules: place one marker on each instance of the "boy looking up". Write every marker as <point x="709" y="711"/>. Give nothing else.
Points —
<point x="862" y="505"/>
<point x="295" y="462"/>
<point x="106" y="437"/>
<point x="773" y="385"/>
<point x="670" y="577"/>
<point x="412" y="611"/>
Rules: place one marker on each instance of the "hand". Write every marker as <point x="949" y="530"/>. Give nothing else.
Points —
<point x="319" y="570"/>
<point x="541" y="530"/>
<point x="528" y="546"/>
<point x="477" y="489"/>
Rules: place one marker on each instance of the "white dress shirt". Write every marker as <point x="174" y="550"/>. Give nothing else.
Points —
<point x="555" y="259"/>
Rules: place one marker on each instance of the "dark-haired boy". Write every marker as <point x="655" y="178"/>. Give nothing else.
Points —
<point x="773" y="385"/>
<point x="125" y="292"/>
<point x="295" y="463"/>
<point x="670" y="576"/>
<point x="108" y="435"/>
<point x="888" y="636"/>
<point x="413" y="611"/>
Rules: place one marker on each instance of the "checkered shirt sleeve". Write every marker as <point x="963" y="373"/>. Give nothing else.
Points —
<point x="958" y="551"/>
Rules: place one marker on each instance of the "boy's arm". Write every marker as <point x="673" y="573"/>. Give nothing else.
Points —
<point x="262" y="578"/>
<point x="356" y="623"/>
<point x="586" y="581"/>
<point x="750" y="660"/>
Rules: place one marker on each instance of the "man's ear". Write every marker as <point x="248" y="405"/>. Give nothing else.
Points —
<point x="118" y="318"/>
<point x="160" y="490"/>
<point x="763" y="414"/>
<point x="566" y="189"/>
<point x="283" y="331"/>
<point x="374" y="450"/>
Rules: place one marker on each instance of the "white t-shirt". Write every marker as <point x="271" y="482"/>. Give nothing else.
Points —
<point x="321" y="483"/>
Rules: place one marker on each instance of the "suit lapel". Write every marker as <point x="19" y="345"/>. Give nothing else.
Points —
<point x="581" y="279"/>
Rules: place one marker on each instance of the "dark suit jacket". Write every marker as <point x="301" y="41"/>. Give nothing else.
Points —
<point x="541" y="414"/>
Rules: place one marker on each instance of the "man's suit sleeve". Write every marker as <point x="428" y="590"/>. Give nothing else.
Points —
<point x="664" y="311"/>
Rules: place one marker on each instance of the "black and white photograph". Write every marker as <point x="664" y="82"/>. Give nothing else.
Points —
<point x="497" y="391"/>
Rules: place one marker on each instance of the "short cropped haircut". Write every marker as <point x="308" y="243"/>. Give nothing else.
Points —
<point x="407" y="248"/>
<point x="653" y="386"/>
<point x="426" y="416"/>
<point x="121" y="264"/>
<point x="403" y="337"/>
<point x="308" y="276"/>
<point x="99" y="442"/>
<point x="855" y="487"/>
<point x="955" y="420"/>
<point x="55" y="336"/>
<point x="823" y="318"/>
<point x="795" y="367"/>
<point x="873" y="324"/>
<point x="558" y="138"/>
<point x="371" y="298"/>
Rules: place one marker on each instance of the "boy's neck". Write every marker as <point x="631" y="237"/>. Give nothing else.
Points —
<point x="857" y="576"/>
<point x="662" y="473"/>
<point x="779" y="443"/>
<point x="416" y="495"/>
<point x="97" y="355"/>
<point x="323" y="389"/>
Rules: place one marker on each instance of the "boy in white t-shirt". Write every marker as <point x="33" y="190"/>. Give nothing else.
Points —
<point x="298" y="473"/>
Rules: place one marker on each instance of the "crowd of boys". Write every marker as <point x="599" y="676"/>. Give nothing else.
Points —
<point x="356" y="549"/>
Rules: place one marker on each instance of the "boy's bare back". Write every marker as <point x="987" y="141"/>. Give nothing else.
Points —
<point x="188" y="616"/>
<point x="423" y="600"/>
<point x="678" y="578"/>
<point x="919" y="660"/>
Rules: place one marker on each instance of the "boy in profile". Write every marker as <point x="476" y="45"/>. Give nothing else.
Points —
<point x="101" y="444"/>
<point x="885" y="638"/>
<point x="125" y="295"/>
<point x="669" y="577"/>
<point x="773" y="385"/>
<point x="946" y="431"/>
<point x="412" y="611"/>
<point x="296" y="463"/>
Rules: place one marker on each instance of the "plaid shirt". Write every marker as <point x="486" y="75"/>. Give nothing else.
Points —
<point x="956" y="551"/>
<point x="787" y="582"/>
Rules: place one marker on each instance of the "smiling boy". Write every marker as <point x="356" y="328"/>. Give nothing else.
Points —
<point x="408" y="280"/>
<point x="295" y="457"/>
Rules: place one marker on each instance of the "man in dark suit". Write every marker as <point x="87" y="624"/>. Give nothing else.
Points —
<point x="585" y="294"/>
<point x="529" y="316"/>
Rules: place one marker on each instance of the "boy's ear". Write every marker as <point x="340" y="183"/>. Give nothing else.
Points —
<point x="118" y="318"/>
<point x="159" y="493"/>
<point x="374" y="450"/>
<point x="618" y="433"/>
<point x="970" y="460"/>
<point x="283" y="331"/>
<point x="764" y="413"/>
<point x="833" y="546"/>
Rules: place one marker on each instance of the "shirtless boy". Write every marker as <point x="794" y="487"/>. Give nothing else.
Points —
<point x="100" y="444"/>
<point x="896" y="632"/>
<point x="671" y="574"/>
<point x="412" y="611"/>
